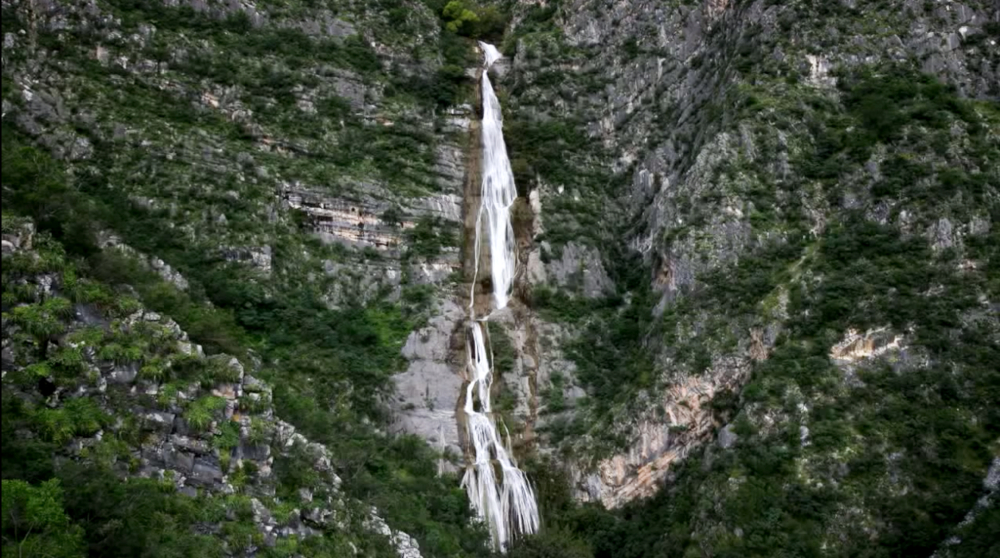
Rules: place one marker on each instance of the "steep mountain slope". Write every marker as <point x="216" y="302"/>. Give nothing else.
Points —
<point x="756" y="312"/>
<point x="284" y="181"/>
<point x="812" y="189"/>
<point x="120" y="391"/>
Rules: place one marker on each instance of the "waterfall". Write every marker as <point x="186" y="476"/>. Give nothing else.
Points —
<point x="498" y="190"/>
<point x="502" y="498"/>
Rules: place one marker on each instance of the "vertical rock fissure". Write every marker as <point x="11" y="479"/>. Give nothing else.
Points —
<point x="498" y="490"/>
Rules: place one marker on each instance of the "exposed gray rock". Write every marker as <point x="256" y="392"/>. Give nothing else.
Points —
<point x="727" y="438"/>
<point x="580" y="269"/>
<point x="943" y="234"/>
<point x="89" y="315"/>
<point x="305" y="495"/>
<point x="350" y="87"/>
<point x="206" y="472"/>
<point x="979" y="226"/>
<point x="191" y="444"/>
<point x="426" y="393"/>
<point x="160" y="420"/>
<point x="107" y="239"/>
<point x="406" y="546"/>
<point x="124" y="374"/>
<point x="253" y="452"/>
<point x="169" y="273"/>
<point x="257" y="256"/>
<point x="261" y="513"/>
<point x="182" y="461"/>
<point x="992" y="480"/>
<point x="253" y="385"/>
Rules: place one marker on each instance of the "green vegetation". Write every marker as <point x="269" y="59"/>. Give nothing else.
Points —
<point x="610" y="335"/>
<point x="185" y="158"/>
<point x="458" y="16"/>
<point x="558" y="152"/>
<point x="34" y="522"/>
<point x="912" y="412"/>
<point x="549" y="544"/>
<point x="469" y="19"/>
<point x="237" y="36"/>
<point x="201" y="413"/>
<point x="329" y="366"/>
<point x="501" y="348"/>
<point x="428" y="237"/>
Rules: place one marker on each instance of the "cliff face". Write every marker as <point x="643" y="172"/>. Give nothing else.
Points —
<point x="285" y="181"/>
<point x="756" y="301"/>
<point x="810" y="190"/>
<point x="716" y="116"/>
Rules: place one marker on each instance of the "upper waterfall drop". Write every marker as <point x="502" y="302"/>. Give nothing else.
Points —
<point x="498" y="190"/>
<point x="499" y="492"/>
<point x="490" y="53"/>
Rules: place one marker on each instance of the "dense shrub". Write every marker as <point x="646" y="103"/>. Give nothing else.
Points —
<point x="469" y="19"/>
<point x="34" y="522"/>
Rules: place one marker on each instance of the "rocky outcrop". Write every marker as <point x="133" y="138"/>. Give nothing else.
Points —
<point x="356" y="224"/>
<point x="676" y="424"/>
<point x="577" y="269"/>
<point x="984" y="506"/>
<point x="427" y="392"/>
<point x="858" y="346"/>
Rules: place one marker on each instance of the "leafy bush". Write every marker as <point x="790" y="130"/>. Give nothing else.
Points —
<point x="200" y="414"/>
<point x="34" y="186"/>
<point x="78" y="417"/>
<point x="466" y="18"/>
<point x="428" y="237"/>
<point x="35" y="524"/>
<point x="136" y="518"/>
<point x="458" y="17"/>
<point x="43" y="321"/>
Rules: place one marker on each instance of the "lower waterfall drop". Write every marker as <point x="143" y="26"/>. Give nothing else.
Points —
<point x="499" y="492"/>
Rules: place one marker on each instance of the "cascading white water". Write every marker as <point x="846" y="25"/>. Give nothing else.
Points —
<point x="508" y="507"/>
<point x="498" y="192"/>
<point x="507" y="504"/>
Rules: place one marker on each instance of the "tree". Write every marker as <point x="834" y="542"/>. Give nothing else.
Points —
<point x="492" y="24"/>
<point x="459" y="17"/>
<point x="34" y="523"/>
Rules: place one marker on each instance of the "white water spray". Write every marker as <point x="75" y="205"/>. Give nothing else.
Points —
<point x="502" y="498"/>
